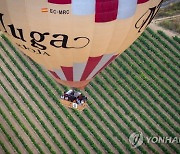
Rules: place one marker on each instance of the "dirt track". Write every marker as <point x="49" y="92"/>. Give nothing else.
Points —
<point x="154" y="26"/>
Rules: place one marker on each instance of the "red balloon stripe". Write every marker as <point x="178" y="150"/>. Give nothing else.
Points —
<point x="68" y="72"/>
<point x="106" y="10"/>
<point x="91" y="64"/>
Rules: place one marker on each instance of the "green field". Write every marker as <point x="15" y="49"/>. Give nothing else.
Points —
<point x="172" y="22"/>
<point x="138" y="92"/>
<point x="172" y="10"/>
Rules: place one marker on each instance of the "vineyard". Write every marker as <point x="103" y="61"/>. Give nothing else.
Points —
<point x="138" y="92"/>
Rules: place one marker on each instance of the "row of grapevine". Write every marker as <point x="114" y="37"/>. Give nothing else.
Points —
<point x="8" y="136"/>
<point x="108" y="150"/>
<point x="167" y="63"/>
<point x="140" y="103"/>
<point x="160" y="47"/>
<point x="42" y="109"/>
<point x="148" y="72"/>
<point x="115" y="87"/>
<point x="22" y="126"/>
<point x="127" y="112"/>
<point x="168" y="39"/>
<point x="165" y="43"/>
<point x="177" y="39"/>
<point x="138" y="71"/>
<point x="163" y="68"/>
<point x="27" y="118"/>
<point x="57" y="101"/>
<point x="138" y="81"/>
<point x="15" y="132"/>
<point x="4" y="147"/>
<point x="110" y="115"/>
<point x="156" y="89"/>
<point x="88" y="114"/>
<point x="107" y="124"/>
<point x="152" y="67"/>
<point x="37" y="116"/>
<point x="133" y="107"/>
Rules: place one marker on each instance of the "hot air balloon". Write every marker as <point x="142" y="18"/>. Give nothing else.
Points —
<point x="75" y="39"/>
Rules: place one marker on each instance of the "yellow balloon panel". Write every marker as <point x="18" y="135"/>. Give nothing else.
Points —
<point x="75" y="39"/>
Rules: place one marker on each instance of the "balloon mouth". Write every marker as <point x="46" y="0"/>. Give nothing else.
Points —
<point x="74" y="84"/>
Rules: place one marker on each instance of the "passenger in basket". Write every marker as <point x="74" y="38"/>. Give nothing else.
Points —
<point x="78" y="101"/>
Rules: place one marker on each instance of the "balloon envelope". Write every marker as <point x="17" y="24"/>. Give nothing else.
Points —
<point x="75" y="39"/>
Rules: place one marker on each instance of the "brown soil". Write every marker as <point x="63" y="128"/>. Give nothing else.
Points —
<point x="154" y="26"/>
